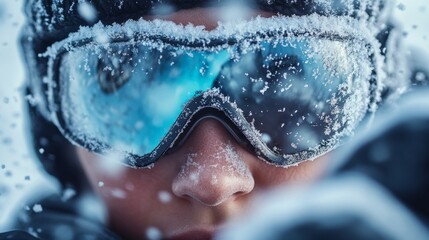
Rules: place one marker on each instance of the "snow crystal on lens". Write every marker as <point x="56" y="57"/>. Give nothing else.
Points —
<point x="153" y="233"/>
<point x="101" y="36"/>
<point x="266" y="138"/>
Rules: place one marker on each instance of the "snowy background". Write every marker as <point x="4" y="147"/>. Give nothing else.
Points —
<point x="19" y="173"/>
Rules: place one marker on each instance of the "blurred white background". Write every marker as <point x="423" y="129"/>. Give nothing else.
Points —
<point x="19" y="173"/>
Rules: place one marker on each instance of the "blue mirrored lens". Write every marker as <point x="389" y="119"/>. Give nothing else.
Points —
<point x="300" y="95"/>
<point x="291" y="90"/>
<point x="128" y="96"/>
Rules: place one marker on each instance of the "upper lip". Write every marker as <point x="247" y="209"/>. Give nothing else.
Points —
<point x="193" y="234"/>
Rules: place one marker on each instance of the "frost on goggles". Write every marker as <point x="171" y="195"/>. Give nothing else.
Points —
<point x="300" y="95"/>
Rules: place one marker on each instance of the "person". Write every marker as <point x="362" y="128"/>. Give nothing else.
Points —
<point x="164" y="119"/>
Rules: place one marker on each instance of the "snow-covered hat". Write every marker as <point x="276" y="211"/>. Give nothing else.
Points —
<point x="54" y="19"/>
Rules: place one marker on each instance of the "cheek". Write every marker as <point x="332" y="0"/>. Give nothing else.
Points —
<point x="132" y="197"/>
<point x="137" y="199"/>
<point x="305" y="173"/>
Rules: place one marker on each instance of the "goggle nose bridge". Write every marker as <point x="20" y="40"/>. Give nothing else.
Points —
<point x="208" y="111"/>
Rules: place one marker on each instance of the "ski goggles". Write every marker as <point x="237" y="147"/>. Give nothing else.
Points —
<point x="290" y="94"/>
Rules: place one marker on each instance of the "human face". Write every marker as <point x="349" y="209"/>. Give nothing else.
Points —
<point x="194" y="189"/>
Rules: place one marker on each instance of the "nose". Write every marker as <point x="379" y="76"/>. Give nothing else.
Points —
<point x="213" y="166"/>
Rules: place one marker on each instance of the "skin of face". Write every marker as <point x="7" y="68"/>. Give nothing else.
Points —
<point x="197" y="187"/>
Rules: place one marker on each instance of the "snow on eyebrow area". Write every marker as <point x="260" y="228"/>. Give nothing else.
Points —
<point x="208" y="17"/>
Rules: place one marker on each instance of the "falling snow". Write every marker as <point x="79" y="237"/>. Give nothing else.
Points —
<point x="226" y="159"/>
<point x="37" y="208"/>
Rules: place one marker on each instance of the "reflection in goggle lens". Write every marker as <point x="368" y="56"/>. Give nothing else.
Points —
<point x="296" y="93"/>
